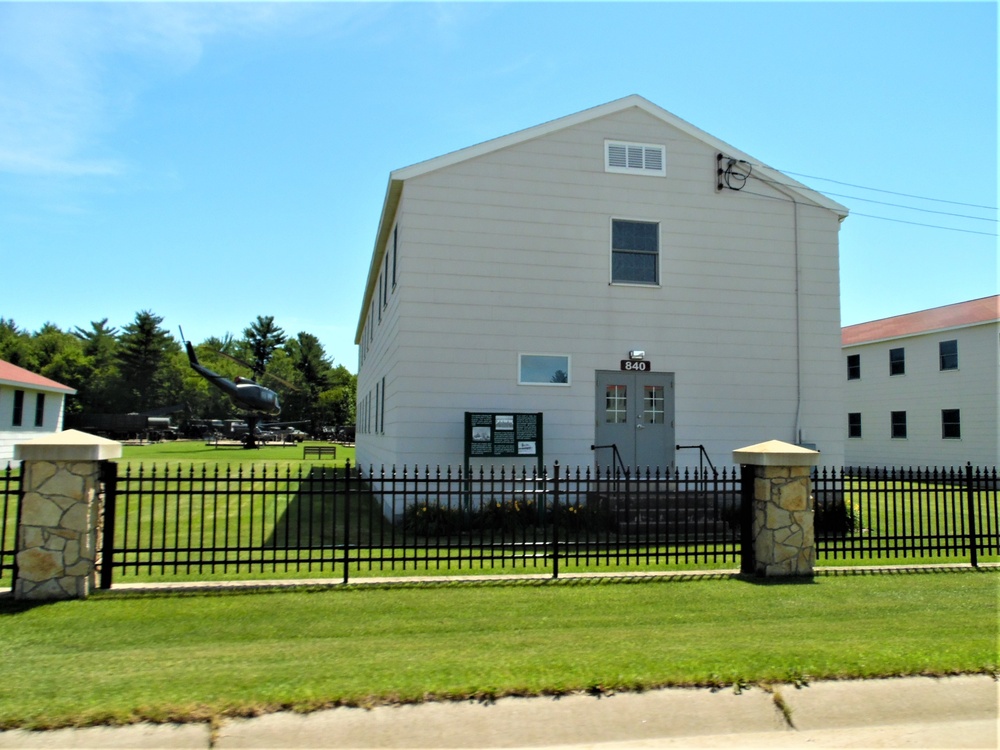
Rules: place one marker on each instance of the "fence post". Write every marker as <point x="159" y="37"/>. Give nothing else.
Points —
<point x="747" y="562"/>
<point x="970" y="501"/>
<point x="783" y="536"/>
<point x="347" y="518"/>
<point x="109" y="475"/>
<point x="555" y="519"/>
<point x="60" y="510"/>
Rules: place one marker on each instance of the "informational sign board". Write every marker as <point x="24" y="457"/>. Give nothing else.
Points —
<point x="503" y="435"/>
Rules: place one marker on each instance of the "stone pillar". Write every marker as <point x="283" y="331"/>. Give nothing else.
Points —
<point x="60" y="512"/>
<point x="783" y="539"/>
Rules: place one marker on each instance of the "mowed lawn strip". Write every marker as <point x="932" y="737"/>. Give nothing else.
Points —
<point x="121" y="658"/>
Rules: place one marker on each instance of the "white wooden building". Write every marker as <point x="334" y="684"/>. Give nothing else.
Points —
<point x="30" y="406"/>
<point x="633" y="279"/>
<point x="923" y="388"/>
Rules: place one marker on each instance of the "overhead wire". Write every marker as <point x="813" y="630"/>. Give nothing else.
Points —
<point x="885" y="203"/>
<point x="890" y="192"/>
<point x="872" y="216"/>
<point x="755" y="175"/>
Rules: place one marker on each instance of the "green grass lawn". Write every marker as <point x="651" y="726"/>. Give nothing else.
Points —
<point x="198" y="452"/>
<point x="125" y="657"/>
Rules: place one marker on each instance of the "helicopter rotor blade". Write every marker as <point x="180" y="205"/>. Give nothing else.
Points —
<point x="257" y="375"/>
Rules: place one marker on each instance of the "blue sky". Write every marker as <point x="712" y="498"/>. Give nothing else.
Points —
<point x="216" y="162"/>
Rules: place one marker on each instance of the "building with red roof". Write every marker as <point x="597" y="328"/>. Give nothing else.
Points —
<point x="923" y="388"/>
<point x="30" y="406"/>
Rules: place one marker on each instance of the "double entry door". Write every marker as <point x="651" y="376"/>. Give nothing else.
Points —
<point x="634" y="411"/>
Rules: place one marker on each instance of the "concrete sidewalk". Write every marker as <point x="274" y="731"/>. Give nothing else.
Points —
<point x="951" y="712"/>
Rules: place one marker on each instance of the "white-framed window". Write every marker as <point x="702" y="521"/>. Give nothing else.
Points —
<point x="18" y="412"/>
<point x="635" y="158"/>
<point x="635" y="252"/>
<point x="854" y="424"/>
<point x="948" y="354"/>
<point x="543" y="369"/>
<point x="951" y="424"/>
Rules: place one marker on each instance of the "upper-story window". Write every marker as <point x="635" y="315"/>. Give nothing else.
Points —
<point x="635" y="158"/>
<point x="853" y="366"/>
<point x="948" y="354"/>
<point x="897" y="361"/>
<point x="39" y="409"/>
<point x="635" y="252"/>
<point x="395" y="253"/>
<point x="17" y="416"/>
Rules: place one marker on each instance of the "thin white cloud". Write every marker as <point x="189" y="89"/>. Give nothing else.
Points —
<point x="69" y="73"/>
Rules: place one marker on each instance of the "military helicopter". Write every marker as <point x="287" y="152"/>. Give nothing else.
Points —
<point x="246" y="393"/>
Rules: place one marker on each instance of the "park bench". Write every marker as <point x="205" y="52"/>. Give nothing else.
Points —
<point x="319" y="451"/>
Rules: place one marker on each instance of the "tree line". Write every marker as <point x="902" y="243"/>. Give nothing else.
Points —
<point x="142" y="368"/>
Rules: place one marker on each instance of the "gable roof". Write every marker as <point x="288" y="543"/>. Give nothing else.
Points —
<point x="959" y="315"/>
<point x="776" y="179"/>
<point x="18" y="376"/>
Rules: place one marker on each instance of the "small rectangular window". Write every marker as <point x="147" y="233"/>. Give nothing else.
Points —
<point x="635" y="250"/>
<point x="899" y="424"/>
<point x="18" y="408"/>
<point x="543" y="369"/>
<point x="951" y="424"/>
<point x="948" y="354"/>
<point x="853" y="366"/>
<point x="897" y="361"/>
<point x="382" y="423"/>
<point x="395" y="249"/>
<point x="854" y="424"/>
<point x="39" y="410"/>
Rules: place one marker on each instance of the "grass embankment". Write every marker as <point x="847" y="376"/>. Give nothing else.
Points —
<point x="120" y="658"/>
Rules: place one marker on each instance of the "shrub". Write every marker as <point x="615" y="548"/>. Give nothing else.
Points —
<point x="836" y="517"/>
<point x="506" y="515"/>
<point x="425" y="519"/>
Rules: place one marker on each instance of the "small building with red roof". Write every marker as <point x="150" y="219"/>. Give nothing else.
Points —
<point x="923" y="388"/>
<point x="30" y="406"/>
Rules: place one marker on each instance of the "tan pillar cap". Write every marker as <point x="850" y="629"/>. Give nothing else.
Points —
<point x="69" y="445"/>
<point x="775" y="453"/>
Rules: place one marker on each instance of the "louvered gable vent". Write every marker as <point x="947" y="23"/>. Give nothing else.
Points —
<point x="634" y="158"/>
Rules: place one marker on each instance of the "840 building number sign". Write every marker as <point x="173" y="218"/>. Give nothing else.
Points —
<point x="637" y="365"/>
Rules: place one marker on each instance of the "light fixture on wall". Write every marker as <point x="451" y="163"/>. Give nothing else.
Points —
<point x="636" y="354"/>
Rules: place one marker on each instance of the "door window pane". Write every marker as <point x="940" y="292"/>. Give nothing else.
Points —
<point x="653" y="412"/>
<point x="616" y="403"/>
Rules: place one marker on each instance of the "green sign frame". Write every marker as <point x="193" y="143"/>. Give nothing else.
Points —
<point x="504" y="435"/>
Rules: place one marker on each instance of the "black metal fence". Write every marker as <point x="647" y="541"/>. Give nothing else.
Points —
<point x="211" y="522"/>
<point x="10" y="495"/>
<point x="893" y="514"/>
